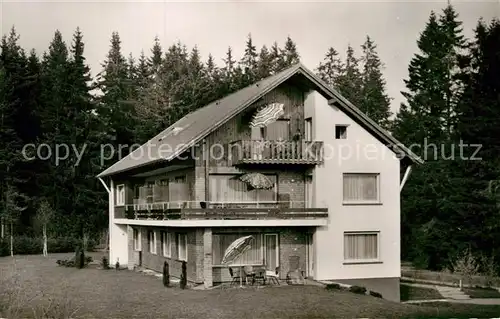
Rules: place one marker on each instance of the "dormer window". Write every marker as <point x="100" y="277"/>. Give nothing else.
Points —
<point x="340" y="132"/>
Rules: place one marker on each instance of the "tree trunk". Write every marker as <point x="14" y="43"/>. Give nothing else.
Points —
<point x="2" y="229"/>
<point x="11" y="240"/>
<point x="45" y="252"/>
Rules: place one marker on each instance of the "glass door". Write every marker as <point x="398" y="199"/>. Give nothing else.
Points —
<point x="271" y="251"/>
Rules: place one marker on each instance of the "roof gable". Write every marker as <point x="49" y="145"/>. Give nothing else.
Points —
<point x="195" y="126"/>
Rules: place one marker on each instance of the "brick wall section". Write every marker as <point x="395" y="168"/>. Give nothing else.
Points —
<point x="293" y="183"/>
<point x="155" y="261"/>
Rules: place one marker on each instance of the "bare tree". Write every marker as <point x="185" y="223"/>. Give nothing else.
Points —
<point x="12" y="210"/>
<point x="44" y="216"/>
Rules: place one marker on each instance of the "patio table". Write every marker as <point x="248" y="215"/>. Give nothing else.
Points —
<point x="249" y="274"/>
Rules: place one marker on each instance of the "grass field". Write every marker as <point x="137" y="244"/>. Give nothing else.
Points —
<point x="408" y="292"/>
<point x="35" y="287"/>
<point x="481" y="292"/>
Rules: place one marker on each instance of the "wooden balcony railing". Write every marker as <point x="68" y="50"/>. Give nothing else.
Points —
<point x="247" y="210"/>
<point x="276" y="152"/>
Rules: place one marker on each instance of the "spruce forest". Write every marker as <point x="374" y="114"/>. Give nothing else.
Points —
<point x="452" y="97"/>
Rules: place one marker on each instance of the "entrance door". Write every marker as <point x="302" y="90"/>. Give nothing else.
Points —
<point x="310" y="256"/>
<point x="271" y="251"/>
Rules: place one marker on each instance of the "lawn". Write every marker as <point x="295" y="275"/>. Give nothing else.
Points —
<point x="92" y="293"/>
<point x="408" y="292"/>
<point x="481" y="292"/>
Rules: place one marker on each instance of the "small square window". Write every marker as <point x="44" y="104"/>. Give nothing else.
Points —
<point x="340" y="132"/>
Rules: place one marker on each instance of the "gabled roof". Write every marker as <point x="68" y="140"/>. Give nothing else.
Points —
<point x="195" y="126"/>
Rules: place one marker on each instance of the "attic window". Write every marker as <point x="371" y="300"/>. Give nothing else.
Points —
<point x="340" y="132"/>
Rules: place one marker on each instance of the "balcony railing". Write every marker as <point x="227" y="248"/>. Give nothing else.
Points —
<point x="242" y="210"/>
<point x="276" y="152"/>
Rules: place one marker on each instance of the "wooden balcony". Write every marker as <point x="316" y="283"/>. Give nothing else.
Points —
<point x="276" y="152"/>
<point x="222" y="211"/>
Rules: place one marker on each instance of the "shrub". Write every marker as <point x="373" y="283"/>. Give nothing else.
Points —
<point x="183" y="281"/>
<point x="166" y="275"/>
<point x="25" y="245"/>
<point x="104" y="262"/>
<point x="332" y="287"/>
<point x="358" y="290"/>
<point x="375" y="294"/>
<point x="466" y="265"/>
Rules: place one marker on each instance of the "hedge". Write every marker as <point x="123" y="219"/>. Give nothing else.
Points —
<point x="24" y="245"/>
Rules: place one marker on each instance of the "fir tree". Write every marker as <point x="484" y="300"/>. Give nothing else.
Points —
<point x="249" y="61"/>
<point x="331" y="68"/>
<point x="264" y="63"/>
<point x="375" y="103"/>
<point x="349" y="81"/>
<point x="289" y="53"/>
<point x="115" y="104"/>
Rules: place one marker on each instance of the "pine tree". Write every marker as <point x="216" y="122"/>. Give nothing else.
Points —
<point x="276" y="59"/>
<point x="264" y="63"/>
<point x="115" y="104"/>
<point x="290" y="54"/>
<point x="374" y="100"/>
<point x="331" y="68"/>
<point x="349" y="81"/>
<point x="156" y="59"/>
<point x="249" y="62"/>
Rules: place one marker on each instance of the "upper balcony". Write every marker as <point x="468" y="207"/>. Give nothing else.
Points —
<point x="189" y="213"/>
<point x="276" y="152"/>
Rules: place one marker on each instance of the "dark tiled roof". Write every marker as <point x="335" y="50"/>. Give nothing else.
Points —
<point x="189" y="130"/>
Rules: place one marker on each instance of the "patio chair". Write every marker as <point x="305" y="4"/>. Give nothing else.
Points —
<point x="273" y="275"/>
<point x="259" y="275"/>
<point x="236" y="275"/>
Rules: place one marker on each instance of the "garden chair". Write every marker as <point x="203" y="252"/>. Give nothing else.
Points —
<point x="259" y="275"/>
<point x="236" y="275"/>
<point x="273" y="276"/>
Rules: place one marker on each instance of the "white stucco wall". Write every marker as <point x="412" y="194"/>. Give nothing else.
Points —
<point x="367" y="155"/>
<point x="118" y="240"/>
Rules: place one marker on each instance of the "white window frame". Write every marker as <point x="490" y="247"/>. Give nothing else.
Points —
<point x="180" y="249"/>
<point x="136" y="233"/>
<point x="120" y="195"/>
<point x="166" y="245"/>
<point x="152" y="242"/>
<point x="376" y="201"/>
<point x="362" y="260"/>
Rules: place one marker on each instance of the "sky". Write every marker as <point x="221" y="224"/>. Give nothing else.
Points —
<point x="214" y="25"/>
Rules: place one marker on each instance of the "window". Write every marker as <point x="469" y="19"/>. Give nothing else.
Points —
<point x="308" y="129"/>
<point x="137" y="239"/>
<point x="120" y="194"/>
<point x="361" y="188"/>
<point x="182" y="246"/>
<point x="340" y="132"/>
<point x="253" y="256"/>
<point x="166" y="244"/>
<point x="361" y="246"/>
<point x="152" y="241"/>
<point x="230" y="189"/>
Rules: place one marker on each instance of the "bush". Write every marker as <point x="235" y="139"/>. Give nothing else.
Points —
<point x="166" y="275"/>
<point x="104" y="262"/>
<point x="375" y="294"/>
<point x="332" y="287"/>
<point x="183" y="281"/>
<point x="358" y="290"/>
<point x="25" y="245"/>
